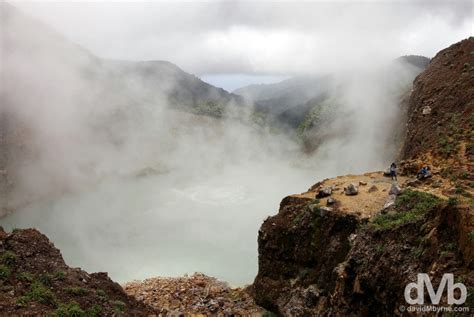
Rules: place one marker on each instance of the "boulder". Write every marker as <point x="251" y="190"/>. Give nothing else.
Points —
<point x="323" y="211"/>
<point x="351" y="189"/>
<point x="389" y="204"/>
<point x="426" y="110"/>
<point x="373" y="188"/>
<point x="362" y="183"/>
<point x="324" y="192"/>
<point x="395" y="189"/>
<point x="331" y="201"/>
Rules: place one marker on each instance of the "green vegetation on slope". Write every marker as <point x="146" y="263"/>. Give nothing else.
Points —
<point x="410" y="206"/>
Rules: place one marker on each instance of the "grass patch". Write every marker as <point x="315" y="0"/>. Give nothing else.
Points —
<point x="461" y="191"/>
<point x="448" y="172"/>
<point x="73" y="309"/>
<point x="390" y="221"/>
<point x="70" y="310"/>
<point x="9" y="258"/>
<point x="452" y="201"/>
<point x="416" y="201"/>
<point x="119" y="306"/>
<point x="450" y="137"/>
<point x="313" y="206"/>
<point x="411" y="205"/>
<point x="451" y="247"/>
<point x="447" y="146"/>
<point x="471" y="236"/>
<point x="297" y="219"/>
<point x="77" y="291"/>
<point x="46" y="279"/>
<point x="94" y="311"/>
<point x="467" y="194"/>
<point x="60" y="275"/>
<point x="101" y="294"/>
<point x="39" y="293"/>
<point x="5" y="272"/>
<point x="417" y="252"/>
<point x="26" y="277"/>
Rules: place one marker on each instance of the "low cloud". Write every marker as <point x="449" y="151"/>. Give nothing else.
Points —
<point x="259" y="36"/>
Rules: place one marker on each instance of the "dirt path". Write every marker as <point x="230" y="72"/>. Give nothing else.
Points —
<point x="373" y="192"/>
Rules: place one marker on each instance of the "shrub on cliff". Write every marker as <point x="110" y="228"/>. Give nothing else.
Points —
<point x="410" y="206"/>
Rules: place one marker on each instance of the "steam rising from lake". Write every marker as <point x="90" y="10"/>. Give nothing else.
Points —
<point x="201" y="214"/>
<point x="122" y="182"/>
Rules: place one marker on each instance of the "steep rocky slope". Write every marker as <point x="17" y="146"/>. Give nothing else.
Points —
<point x="35" y="281"/>
<point x="441" y="113"/>
<point x="327" y="253"/>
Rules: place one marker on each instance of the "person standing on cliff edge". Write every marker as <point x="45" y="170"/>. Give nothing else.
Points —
<point x="393" y="171"/>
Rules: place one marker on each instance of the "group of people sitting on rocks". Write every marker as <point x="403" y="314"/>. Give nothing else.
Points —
<point x="423" y="173"/>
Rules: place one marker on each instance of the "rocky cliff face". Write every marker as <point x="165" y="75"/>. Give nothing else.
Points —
<point x="441" y="110"/>
<point x="35" y="281"/>
<point x="354" y="255"/>
<point x="299" y="250"/>
<point x="323" y="261"/>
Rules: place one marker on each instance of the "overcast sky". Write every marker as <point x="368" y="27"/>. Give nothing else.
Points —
<point x="258" y="37"/>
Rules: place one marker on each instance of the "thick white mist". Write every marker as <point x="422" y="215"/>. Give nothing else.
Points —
<point x="167" y="225"/>
<point x="123" y="183"/>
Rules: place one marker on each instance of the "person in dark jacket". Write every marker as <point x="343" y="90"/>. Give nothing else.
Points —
<point x="393" y="171"/>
